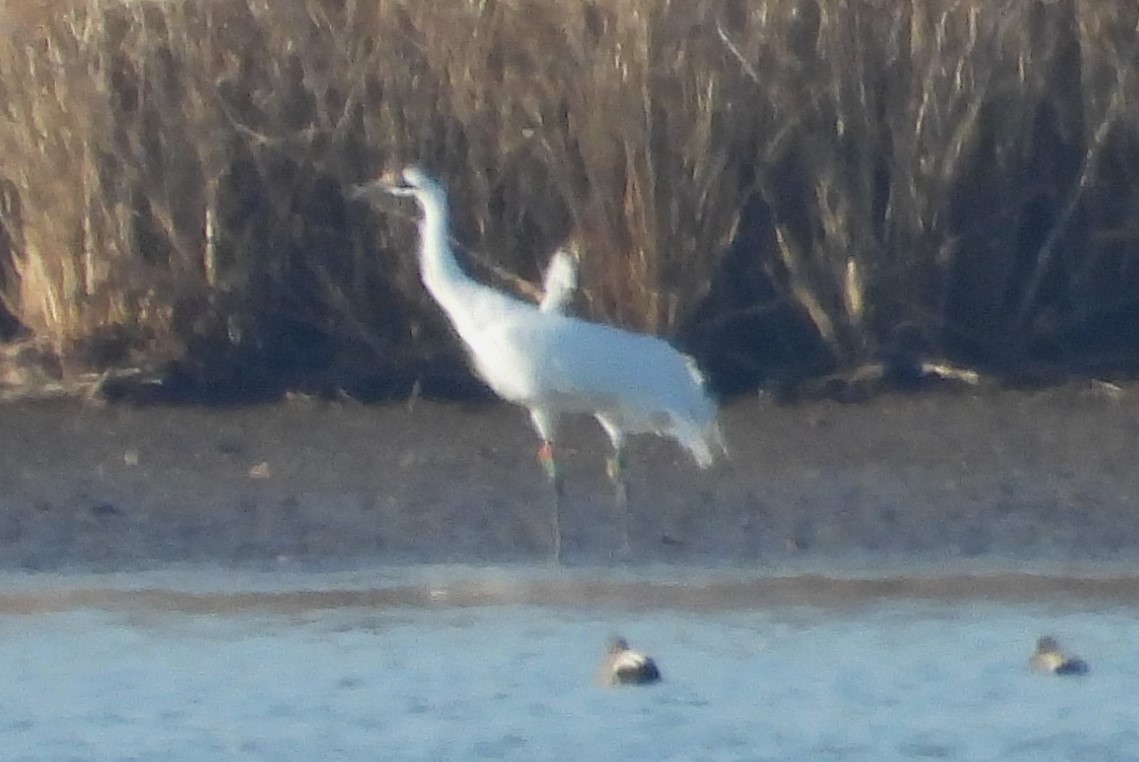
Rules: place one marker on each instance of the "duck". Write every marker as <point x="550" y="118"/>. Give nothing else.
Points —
<point x="625" y="666"/>
<point x="1049" y="658"/>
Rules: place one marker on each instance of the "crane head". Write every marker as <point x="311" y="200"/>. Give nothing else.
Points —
<point x="409" y="182"/>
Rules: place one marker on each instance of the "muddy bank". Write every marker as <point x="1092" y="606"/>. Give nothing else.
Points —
<point x="1011" y="478"/>
<point x="530" y="587"/>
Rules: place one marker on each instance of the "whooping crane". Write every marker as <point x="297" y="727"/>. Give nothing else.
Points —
<point x="555" y="364"/>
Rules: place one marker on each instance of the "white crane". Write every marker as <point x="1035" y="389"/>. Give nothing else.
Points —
<point x="554" y="364"/>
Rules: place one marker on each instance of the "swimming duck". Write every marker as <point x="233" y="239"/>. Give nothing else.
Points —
<point x="624" y="666"/>
<point x="1049" y="658"/>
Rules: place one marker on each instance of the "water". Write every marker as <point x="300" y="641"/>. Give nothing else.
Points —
<point x="434" y="671"/>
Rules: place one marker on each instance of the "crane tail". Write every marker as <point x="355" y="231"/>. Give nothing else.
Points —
<point x="705" y="443"/>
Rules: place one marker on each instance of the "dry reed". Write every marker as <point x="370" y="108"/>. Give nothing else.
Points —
<point x="910" y="178"/>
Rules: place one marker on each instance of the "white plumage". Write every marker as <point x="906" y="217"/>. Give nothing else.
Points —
<point x="556" y="364"/>
<point x="560" y="282"/>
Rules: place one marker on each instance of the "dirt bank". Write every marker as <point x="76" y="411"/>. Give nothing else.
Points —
<point x="1017" y="477"/>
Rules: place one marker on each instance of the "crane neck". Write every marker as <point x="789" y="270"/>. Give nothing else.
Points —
<point x="440" y="271"/>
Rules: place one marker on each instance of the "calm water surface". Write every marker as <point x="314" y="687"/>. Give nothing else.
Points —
<point x="141" y="675"/>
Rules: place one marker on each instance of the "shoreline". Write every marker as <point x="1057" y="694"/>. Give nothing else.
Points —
<point x="1041" y="479"/>
<point x="213" y="591"/>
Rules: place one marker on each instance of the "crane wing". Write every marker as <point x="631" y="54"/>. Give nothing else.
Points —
<point x="560" y="282"/>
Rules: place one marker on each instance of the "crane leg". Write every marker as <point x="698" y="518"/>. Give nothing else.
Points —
<point x="615" y="465"/>
<point x="546" y="458"/>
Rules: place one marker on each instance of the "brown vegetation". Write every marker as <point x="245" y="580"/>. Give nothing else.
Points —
<point x="786" y="186"/>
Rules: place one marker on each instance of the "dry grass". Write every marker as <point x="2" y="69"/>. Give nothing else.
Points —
<point x="917" y="177"/>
